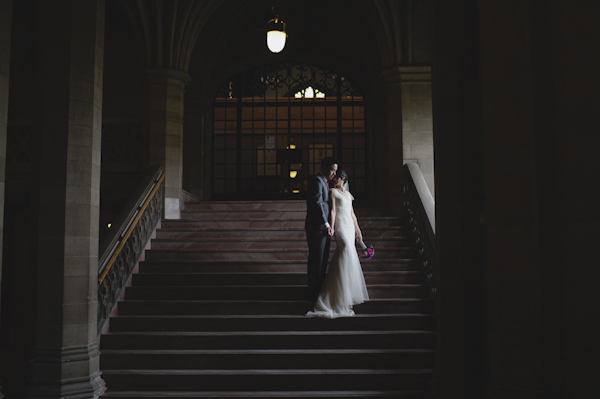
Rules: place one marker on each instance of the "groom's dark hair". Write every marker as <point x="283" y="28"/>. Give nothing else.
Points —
<point x="327" y="162"/>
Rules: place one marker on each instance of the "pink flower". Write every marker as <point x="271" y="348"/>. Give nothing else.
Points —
<point x="366" y="252"/>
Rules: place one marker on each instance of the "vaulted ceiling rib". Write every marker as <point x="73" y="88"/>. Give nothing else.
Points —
<point x="168" y="30"/>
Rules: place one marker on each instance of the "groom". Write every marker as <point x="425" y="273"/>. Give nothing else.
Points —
<point x="318" y="230"/>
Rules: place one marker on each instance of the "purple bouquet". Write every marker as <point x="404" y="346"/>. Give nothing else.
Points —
<point x="366" y="251"/>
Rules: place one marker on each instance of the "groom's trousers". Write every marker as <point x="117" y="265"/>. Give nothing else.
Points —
<point x="318" y="255"/>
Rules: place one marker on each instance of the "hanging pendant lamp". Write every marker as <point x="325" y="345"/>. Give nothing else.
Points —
<point x="276" y="35"/>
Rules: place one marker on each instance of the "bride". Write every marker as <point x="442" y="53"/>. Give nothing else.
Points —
<point x="344" y="284"/>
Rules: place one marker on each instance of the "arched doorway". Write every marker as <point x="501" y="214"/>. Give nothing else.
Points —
<point x="273" y="124"/>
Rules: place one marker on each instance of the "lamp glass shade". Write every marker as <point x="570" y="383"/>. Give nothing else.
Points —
<point x="276" y="40"/>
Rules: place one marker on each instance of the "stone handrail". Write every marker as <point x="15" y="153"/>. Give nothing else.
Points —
<point x="123" y="245"/>
<point x="420" y="207"/>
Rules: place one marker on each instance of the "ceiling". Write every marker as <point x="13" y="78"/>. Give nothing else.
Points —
<point x="216" y="39"/>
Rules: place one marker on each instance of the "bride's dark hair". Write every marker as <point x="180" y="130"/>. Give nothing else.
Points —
<point x="342" y="175"/>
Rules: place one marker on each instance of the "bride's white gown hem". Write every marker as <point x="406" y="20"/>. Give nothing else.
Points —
<point x="344" y="284"/>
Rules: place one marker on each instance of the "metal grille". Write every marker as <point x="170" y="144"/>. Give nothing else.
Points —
<point x="273" y="125"/>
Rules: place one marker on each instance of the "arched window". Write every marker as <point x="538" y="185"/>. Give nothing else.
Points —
<point x="272" y="126"/>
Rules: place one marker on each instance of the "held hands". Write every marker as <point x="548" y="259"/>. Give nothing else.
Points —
<point x="330" y="231"/>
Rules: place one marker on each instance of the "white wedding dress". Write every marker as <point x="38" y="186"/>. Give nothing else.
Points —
<point x="344" y="284"/>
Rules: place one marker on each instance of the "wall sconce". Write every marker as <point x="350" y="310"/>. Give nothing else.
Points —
<point x="276" y="35"/>
<point x="293" y="174"/>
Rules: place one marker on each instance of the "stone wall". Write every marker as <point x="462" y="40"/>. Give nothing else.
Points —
<point x="417" y="128"/>
<point x="5" y="31"/>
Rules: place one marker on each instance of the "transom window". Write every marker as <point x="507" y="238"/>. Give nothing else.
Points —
<point x="272" y="126"/>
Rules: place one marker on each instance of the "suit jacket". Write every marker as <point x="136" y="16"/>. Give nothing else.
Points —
<point x="317" y="203"/>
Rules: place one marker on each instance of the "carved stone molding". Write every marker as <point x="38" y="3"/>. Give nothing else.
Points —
<point x="69" y="388"/>
<point x="173" y="76"/>
<point x="404" y="74"/>
<point x="67" y="354"/>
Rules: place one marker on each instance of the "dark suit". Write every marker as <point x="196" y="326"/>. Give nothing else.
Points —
<point x="317" y="214"/>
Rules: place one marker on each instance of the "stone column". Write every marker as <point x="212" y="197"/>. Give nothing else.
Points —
<point x="392" y="145"/>
<point x="67" y="137"/>
<point x="417" y="120"/>
<point x="409" y="126"/>
<point x="164" y="114"/>
<point x="541" y="167"/>
<point x="197" y="116"/>
<point x="460" y="370"/>
<point x="5" y="33"/>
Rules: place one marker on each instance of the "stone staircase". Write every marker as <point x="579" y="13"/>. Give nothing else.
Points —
<point x="217" y="311"/>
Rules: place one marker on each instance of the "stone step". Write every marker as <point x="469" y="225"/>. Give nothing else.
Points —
<point x="279" y="215"/>
<point x="271" y="206"/>
<point x="208" y="323"/>
<point x="398" y="339"/>
<point x="260" y="225"/>
<point x="299" y="394"/>
<point x="261" y="279"/>
<point x="259" y="255"/>
<point x="226" y="244"/>
<point x="267" y="379"/>
<point x="371" y="265"/>
<point x="241" y="206"/>
<point x="265" y="235"/>
<point x="186" y="359"/>
<point x="250" y="306"/>
<point x="261" y="292"/>
<point x="217" y="310"/>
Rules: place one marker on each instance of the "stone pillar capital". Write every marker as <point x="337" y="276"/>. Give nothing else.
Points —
<point x="170" y="76"/>
<point x="401" y="74"/>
